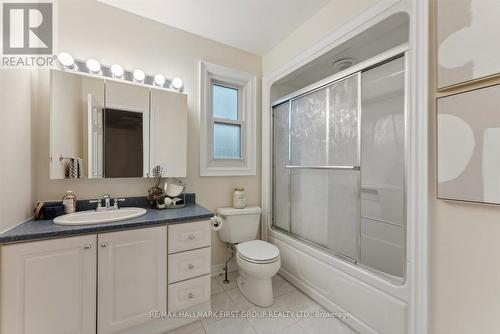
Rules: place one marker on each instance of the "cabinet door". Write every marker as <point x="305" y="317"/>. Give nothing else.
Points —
<point x="132" y="279"/>
<point x="76" y="121"/>
<point x="49" y="287"/>
<point x="169" y="131"/>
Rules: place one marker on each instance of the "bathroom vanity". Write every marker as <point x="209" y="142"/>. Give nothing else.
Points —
<point x="119" y="277"/>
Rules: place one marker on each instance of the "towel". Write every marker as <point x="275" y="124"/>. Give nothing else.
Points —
<point x="73" y="168"/>
<point x="79" y="162"/>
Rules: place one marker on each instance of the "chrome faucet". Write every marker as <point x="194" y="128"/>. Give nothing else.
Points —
<point x="107" y="203"/>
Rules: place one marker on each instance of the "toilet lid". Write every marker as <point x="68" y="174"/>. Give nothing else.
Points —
<point x="258" y="250"/>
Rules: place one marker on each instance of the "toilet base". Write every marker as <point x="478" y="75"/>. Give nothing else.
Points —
<point x="258" y="291"/>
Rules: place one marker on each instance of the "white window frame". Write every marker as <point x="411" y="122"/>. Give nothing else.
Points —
<point x="246" y="84"/>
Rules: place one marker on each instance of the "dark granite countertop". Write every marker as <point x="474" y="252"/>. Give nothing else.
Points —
<point x="32" y="230"/>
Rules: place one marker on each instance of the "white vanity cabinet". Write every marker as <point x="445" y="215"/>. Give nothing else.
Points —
<point x="49" y="287"/>
<point x="188" y="265"/>
<point x="107" y="283"/>
<point x="132" y="277"/>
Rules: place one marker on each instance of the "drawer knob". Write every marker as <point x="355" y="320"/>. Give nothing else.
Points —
<point x="88" y="246"/>
<point x="191" y="295"/>
<point x="190" y="266"/>
<point x="104" y="245"/>
<point x="191" y="237"/>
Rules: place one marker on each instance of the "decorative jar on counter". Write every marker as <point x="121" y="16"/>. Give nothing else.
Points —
<point x="239" y="200"/>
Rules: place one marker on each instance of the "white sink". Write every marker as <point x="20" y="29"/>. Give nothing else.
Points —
<point x="99" y="217"/>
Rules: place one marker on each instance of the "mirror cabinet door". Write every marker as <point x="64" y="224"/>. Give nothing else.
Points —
<point x="169" y="132"/>
<point x="76" y="126"/>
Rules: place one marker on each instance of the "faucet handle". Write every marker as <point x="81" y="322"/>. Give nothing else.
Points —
<point x="98" y="201"/>
<point x="116" y="200"/>
<point x="105" y="196"/>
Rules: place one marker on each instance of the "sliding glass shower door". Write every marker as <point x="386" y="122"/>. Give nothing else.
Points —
<point x="317" y="175"/>
<point x="339" y="180"/>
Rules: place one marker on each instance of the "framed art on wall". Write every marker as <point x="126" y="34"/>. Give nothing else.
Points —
<point x="467" y="40"/>
<point x="468" y="155"/>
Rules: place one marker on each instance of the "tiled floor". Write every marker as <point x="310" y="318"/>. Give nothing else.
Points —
<point x="227" y="297"/>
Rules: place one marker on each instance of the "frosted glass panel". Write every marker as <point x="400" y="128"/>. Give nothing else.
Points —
<point x="281" y="174"/>
<point x="225" y="102"/>
<point x="383" y="232"/>
<point x="383" y="139"/>
<point x="227" y="141"/>
<point x="308" y="129"/>
<point x="339" y="168"/>
<point x="343" y="122"/>
<point x="325" y="208"/>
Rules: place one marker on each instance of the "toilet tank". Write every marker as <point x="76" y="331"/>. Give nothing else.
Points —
<point x="239" y="225"/>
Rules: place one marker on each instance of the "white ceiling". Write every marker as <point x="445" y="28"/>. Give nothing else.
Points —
<point x="252" y="25"/>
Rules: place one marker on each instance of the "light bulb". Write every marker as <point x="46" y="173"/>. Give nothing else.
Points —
<point x="139" y="76"/>
<point x="93" y="66"/>
<point x="117" y="71"/>
<point x="176" y="83"/>
<point x="159" y="80"/>
<point x="67" y="60"/>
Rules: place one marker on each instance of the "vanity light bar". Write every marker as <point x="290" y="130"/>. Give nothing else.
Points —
<point x="66" y="62"/>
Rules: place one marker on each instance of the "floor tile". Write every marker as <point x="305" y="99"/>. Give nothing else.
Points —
<point x="194" y="328"/>
<point x="293" y="329"/>
<point x="216" y="287"/>
<point x="295" y="302"/>
<point x="237" y="297"/>
<point x="325" y="326"/>
<point x="281" y="286"/>
<point x="268" y="325"/>
<point x="220" y="303"/>
<point x="232" y="280"/>
<point x="230" y="326"/>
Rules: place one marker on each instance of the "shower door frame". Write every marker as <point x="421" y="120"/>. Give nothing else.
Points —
<point x="414" y="292"/>
<point x="354" y="71"/>
<point x="323" y="84"/>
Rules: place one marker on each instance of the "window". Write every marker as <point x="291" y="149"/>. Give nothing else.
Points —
<point x="226" y="122"/>
<point x="228" y="138"/>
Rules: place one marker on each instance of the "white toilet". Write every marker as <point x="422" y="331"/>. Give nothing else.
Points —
<point x="257" y="260"/>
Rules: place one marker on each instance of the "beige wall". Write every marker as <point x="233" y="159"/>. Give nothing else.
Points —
<point x="91" y="29"/>
<point x="320" y="25"/>
<point x="464" y="244"/>
<point x="16" y="188"/>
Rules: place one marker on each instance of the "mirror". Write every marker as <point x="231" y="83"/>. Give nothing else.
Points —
<point x="103" y="128"/>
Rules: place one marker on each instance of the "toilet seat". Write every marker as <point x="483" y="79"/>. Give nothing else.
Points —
<point x="258" y="251"/>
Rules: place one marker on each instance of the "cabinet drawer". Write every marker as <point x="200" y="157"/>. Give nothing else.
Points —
<point x="188" y="264"/>
<point x="186" y="236"/>
<point x="188" y="293"/>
